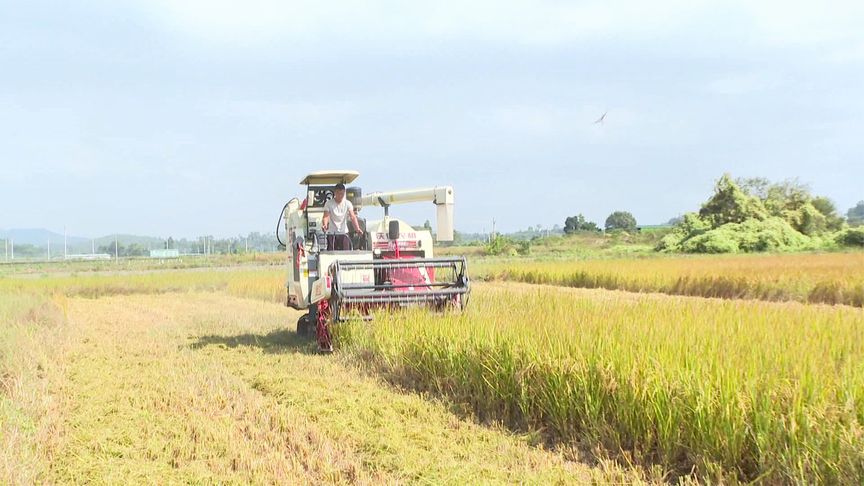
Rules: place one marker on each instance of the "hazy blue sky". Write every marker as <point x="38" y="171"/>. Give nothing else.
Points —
<point x="191" y="117"/>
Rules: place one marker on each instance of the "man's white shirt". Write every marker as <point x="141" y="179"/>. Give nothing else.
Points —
<point x="338" y="215"/>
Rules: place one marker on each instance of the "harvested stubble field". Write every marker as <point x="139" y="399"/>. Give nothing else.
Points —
<point x="138" y="264"/>
<point x="831" y="278"/>
<point x="197" y="376"/>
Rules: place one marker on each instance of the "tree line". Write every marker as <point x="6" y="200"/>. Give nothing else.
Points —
<point x="208" y="244"/>
<point x="736" y="201"/>
<point x="617" y="221"/>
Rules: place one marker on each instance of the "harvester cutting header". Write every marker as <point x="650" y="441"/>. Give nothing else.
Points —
<point x="344" y="270"/>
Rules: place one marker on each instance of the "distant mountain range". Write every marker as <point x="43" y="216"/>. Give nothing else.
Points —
<point x="39" y="237"/>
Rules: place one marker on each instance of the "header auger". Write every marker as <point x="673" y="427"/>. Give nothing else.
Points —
<point x="389" y="264"/>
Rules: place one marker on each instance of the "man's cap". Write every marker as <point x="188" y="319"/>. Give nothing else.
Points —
<point x="340" y="186"/>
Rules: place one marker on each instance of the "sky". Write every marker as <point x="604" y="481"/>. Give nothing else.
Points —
<point x="200" y="117"/>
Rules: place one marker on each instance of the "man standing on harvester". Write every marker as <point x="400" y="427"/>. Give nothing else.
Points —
<point x="335" y="222"/>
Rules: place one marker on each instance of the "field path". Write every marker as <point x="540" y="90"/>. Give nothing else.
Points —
<point x="179" y="388"/>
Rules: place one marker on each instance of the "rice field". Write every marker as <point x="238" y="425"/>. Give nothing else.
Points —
<point x="23" y="266"/>
<point x="196" y="375"/>
<point x="726" y="390"/>
<point x="831" y="278"/>
<point x="198" y="378"/>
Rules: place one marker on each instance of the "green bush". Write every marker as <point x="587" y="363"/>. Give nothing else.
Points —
<point x="730" y="204"/>
<point x="671" y="242"/>
<point x="720" y="240"/>
<point x="504" y="246"/>
<point x="752" y="215"/>
<point x="851" y="236"/>
<point x="772" y="234"/>
<point x="689" y="226"/>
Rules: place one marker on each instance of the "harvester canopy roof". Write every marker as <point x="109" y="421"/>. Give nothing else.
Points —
<point x="329" y="177"/>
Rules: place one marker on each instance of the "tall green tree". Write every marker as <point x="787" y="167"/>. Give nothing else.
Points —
<point x="833" y="219"/>
<point x="579" y="223"/>
<point x="855" y="215"/>
<point x="730" y="204"/>
<point x="755" y="186"/>
<point x="621" y="220"/>
<point x="789" y="195"/>
<point x="794" y="202"/>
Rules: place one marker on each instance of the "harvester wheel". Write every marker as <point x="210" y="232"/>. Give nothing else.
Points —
<point x="305" y="326"/>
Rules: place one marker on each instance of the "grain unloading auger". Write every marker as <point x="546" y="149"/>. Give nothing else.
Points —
<point x="390" y="264"/>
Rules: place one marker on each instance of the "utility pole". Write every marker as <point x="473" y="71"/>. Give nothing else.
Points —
<point x="49" y="248"/>
<point x="12" y="247"/>
<point x="92" y="246"/>
<point x="247" y="244"/>
<point x="492" y="236"/>
<point x="116" y="251"/>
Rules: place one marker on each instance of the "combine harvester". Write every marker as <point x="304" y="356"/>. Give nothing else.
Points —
<point x="390" y="264"/>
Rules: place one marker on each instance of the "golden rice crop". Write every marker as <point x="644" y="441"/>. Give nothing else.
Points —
<point x="730" y="389"/>
<point x="835" y="278"/>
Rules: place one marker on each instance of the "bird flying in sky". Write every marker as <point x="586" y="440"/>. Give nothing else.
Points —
<point x="601" y="119"/>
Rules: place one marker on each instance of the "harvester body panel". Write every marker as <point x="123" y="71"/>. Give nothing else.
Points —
<point x="321" y="287"/>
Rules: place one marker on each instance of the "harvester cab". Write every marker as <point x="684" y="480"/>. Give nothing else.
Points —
<point x="389" y="263"/>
